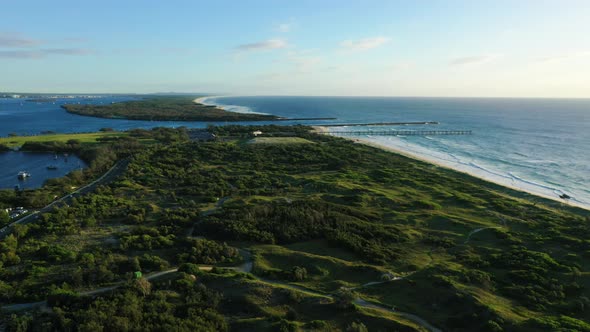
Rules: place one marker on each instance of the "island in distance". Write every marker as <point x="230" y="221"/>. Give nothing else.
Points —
<point x="171" y="108"/>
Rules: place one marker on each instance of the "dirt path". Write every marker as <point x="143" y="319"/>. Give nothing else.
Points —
<point x="416" y="319"/>
<point x="245" y="267"/>
<point x="475" y="231"/>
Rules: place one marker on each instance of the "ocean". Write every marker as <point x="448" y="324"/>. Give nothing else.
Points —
<point x="535" y="145"/>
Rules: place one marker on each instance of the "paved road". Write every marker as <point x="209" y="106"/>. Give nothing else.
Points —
<point x="107" y="177"/>
<point x="23" y="306"/>
<point x="31" y="305"/>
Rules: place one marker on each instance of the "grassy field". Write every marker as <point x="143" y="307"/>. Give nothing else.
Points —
<point x="324" y="273"/>
<point x="258" y="306"/>
<point x="85" y="138"/>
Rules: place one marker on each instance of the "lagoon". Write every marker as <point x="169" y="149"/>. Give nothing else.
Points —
<point x="36" y="164"/>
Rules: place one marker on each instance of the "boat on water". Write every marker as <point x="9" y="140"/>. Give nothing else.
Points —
<point x="23" y="175"/>
<point x="52" y="167"/>
<point x="564" y="196"/>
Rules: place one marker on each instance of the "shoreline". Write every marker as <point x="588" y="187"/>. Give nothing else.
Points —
<point x="438" y="163"/>
<point x="236" y="109"/>
<point x="202" y="101"/>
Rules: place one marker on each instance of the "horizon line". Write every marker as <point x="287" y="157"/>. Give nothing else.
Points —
<point x="222" y="95"/>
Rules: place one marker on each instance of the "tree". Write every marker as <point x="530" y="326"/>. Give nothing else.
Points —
<point x="357" y="327"/>
<point x="20" y="230"/>
<point x="345" y="298"/>
<point x="19" y="323"/>
<point x="143" y="286"/>
<point x="298" y="273"/>
<point x="91" y="326"/>
<point x="4" y="218"/>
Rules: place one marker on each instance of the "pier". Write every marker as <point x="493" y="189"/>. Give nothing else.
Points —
<point x="399" y="132"/>
<point x="303" y="119"/>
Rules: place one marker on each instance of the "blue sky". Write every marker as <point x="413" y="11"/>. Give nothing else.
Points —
<point x="516" y="48"/>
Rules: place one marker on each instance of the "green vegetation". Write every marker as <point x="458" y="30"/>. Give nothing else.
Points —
<point x="322" y="225"/>
<point x="177" y="108"/>
<point x="279" y="140"/>
<point x="99" y="150"/>
<point x="84" y="138"/>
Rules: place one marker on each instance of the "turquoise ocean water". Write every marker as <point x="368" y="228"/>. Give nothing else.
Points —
<point x="536" y="145"/>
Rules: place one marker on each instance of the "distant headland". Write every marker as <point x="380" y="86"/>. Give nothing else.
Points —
<point x="164" y="108"/>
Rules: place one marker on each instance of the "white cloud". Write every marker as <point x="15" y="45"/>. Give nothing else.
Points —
<point x="37" y="54"/>
<point x="474" y="60"/>
<point x="401" y="65"/>
<point x="17" y="46"/>
<point x="305" y="63"/>
<point x="270" y="44"/>
<point x="16" y="40"/>
<point x="568" y="56"/>
<point x="364" y="44"/>
<point x="284" y="27"/>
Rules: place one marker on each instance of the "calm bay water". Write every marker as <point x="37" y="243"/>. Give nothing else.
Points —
<point x="537" y="145"/>
<point x="31" y="118"/>
<point x="36" y="164"/>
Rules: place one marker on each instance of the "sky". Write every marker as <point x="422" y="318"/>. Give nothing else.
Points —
<point x="450" y="48"/>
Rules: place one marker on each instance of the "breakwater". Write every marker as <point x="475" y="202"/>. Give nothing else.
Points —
<point x="399" y="132"/>
<point x="380" y="124"/>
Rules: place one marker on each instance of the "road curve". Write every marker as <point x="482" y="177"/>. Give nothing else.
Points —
<point x="107" y="177"/>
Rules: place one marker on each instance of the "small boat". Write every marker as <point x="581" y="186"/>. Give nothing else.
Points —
<point x="564" y="196"/>
<point x="23" y="175"/>
<point x="52" y="167"/>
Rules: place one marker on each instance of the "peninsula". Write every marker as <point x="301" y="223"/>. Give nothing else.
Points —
<point x="164" y="108"/>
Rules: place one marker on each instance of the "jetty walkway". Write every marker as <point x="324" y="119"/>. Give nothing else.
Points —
<point x="398" y="132"/>
<point x="379" y="124"/>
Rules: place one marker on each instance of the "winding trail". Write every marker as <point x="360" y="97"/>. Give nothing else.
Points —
<point x="245" y="267"/>
<point x="411" y="317"/>
<point x="475" y="231"/>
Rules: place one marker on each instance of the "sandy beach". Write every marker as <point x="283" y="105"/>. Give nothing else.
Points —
<point x="229" y="108"/>
<point x="201" y="100"/>
<point x="366" y="141"/>
<point x="320" y="129"/>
